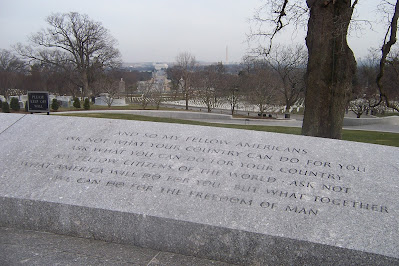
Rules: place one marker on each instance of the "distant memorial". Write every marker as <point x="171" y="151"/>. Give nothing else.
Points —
<point x="38" y="102"/>
<point x="122" y="87"/>
<point x="244" y="197"/>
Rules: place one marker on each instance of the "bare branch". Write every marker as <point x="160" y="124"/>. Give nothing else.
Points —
<point x="354" y="4"/>
<point x="389" y="41"/>
<point x="272" y="18"/>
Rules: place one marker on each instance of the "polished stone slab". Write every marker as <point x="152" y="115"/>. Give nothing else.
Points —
<point x="233" y="195"/>
<point x="25" y="247"/>
<point x="8" y="120"/>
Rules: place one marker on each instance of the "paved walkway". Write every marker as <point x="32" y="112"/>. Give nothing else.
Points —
<point x="24" y="247"/>
<point x="295" y="121"/>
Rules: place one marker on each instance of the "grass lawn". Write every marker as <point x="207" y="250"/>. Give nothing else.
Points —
<point x="382" y="138"/>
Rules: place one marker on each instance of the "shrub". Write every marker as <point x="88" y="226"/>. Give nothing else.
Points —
<point x="86" y="104"/>
<point x="55" y="105"/>
<point x="76" y="103"/>
<point x="14" y="104"/>
<point x="5" y="108"/>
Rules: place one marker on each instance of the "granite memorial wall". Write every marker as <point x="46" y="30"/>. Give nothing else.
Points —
<point x="239" y="196"/>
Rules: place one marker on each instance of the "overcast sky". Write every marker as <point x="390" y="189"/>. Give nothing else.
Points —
<point x="158" y="30"/>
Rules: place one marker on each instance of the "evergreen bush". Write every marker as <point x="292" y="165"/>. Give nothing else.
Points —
<point x="76" y="103"/>
<point x="5" y="108"/>
<point x="14" y="104"/>
<point x="86" y="104"/>
<point x="55" y="105"/>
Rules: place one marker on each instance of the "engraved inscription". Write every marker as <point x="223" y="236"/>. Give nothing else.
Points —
<point x="207" y="170"/>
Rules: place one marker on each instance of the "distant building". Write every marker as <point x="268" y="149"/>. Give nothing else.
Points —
<point x="160" y="66"/>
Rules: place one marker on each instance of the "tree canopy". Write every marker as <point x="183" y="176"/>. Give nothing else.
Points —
<point x="76" y="43"/>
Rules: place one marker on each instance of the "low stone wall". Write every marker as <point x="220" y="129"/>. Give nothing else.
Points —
<point x="167" y="114"/>
<point x="239" y="196"/>
<point x="392" y="120"/>
<point x="182" y="115"/>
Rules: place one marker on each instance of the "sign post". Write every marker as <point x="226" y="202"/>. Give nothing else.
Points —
<point x="38" y="102"/>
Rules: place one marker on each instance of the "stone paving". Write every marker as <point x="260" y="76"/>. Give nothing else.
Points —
<point x="25" y="247"/>
<point x="295" y="121"/>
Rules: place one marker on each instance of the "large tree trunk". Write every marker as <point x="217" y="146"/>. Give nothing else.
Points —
<point x="186" y="98"/>
<point x="331" y="67"/>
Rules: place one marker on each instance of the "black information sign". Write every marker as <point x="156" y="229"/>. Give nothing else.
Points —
<point x="38" y="101"/>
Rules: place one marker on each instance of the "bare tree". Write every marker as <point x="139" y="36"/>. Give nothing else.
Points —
<point x="209" y="83"/>
<point x="11" y="71"/>
<point x="359" y="106"/>
<point x="262" y="87"/>
<point x="10" y="62"/>
<point x="206" y="93"/>
<point x="391" y="80"/>
<point x="289" y="63"/>
<point x="173" y="74"/>
<point x="185" y="65"/>
<point x="158" y="98"/>
<point x="147" y="89"/>
<point x="73" y="39"/>
<point x="365" y="89"/>
<point x="389" y="41"/>
<point x="233" y="90"/>
<point x="108" y="85"/>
